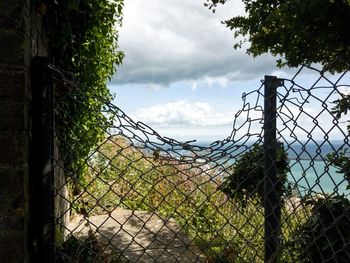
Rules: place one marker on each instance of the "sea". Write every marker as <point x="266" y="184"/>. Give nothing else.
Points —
<point x="310" y="172"/>
<point x="316" y="177"/>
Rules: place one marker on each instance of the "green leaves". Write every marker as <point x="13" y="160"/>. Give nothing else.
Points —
<point x="319" y="235"/>
<point x="341" y="160"/>
<point x="73" y="4"/>
<point x="247" y="174"/>
<point x="89" y="49"/>
<point x="302" y="32"/>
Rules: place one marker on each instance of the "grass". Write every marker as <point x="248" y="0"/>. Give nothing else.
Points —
<point x="225" y="229"/>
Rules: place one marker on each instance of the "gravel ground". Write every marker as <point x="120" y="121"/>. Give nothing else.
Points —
<point x="140" y="236"/>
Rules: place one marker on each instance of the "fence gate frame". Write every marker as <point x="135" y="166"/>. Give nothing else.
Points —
<point x="42" y="222"/>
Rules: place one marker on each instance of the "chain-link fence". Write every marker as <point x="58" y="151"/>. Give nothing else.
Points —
<point x="275" y="190"/>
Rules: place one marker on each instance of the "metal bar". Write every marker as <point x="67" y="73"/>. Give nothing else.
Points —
<point x="272" y="198"/>
<point x="41" y="181"/>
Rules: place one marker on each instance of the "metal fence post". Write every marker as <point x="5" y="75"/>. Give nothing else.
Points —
<point x="41" y="181"/>
<point x="272" y="198"/>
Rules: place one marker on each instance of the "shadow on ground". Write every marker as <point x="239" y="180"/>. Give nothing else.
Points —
<point x="140" y="236"/>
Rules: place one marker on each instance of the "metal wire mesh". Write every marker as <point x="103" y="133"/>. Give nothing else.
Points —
<point x="141" y="197"/>
<point x="316" y="140"/>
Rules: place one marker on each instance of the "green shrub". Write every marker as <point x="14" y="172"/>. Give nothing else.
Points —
<point x="247" y="174"/>
<point x="325" y="236"/>
<point x="120" y="175"/>
<point x="83" y="42"/>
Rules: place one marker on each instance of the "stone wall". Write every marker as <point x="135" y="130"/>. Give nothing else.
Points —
<point x="19" y="25"/>
<point x="14" y="128"/>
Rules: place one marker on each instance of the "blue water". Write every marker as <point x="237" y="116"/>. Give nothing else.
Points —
<point x="309" y="170"/>
<point x="316" y="177"/>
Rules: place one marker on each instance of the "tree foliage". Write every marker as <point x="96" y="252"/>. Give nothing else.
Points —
<point x="319" y="236"/>
<point x="247" y="174"/>
<point x="341" y="158"/>
<point x="302" y="32"/>
<point x="83" y="40"/>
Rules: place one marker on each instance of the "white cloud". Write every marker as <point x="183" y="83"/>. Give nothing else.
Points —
<point x="306" y="122"/>
<point x="182" y="114"/>
<point x="186" y="120"/>
<point x="210" y="81"/>
<point x="344" y="90"/>
<point x="167" y="41"/>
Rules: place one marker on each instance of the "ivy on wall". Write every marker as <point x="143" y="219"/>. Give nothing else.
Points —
<point x="83" y="40"/>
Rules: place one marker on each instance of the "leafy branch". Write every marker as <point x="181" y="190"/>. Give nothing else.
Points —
<point x="83" y="39"/>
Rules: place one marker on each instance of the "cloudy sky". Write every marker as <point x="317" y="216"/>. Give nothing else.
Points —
<point x="181" y="75"/>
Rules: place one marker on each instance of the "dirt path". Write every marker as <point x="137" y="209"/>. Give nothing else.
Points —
<point x="141" y="236"/>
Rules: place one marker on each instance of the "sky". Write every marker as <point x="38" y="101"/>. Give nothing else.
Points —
<point x="181" y="75"/>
